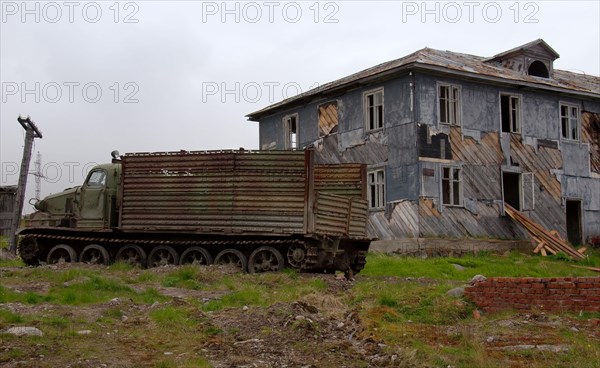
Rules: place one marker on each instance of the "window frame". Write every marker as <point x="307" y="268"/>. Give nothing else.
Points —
<point x="378" y="184"/>
<point x="456" y="118"/>
<point x="376" y="114"/>
<point x="452" y="182"/>
<point x="519" y="111"/>
<point x="570" y="119"/>
<point x="96" y="184"/>
<point x="289" y="143"/>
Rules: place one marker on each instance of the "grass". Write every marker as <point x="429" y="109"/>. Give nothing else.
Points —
<point x="400" y="302"/>
<point x="512" y="265"/>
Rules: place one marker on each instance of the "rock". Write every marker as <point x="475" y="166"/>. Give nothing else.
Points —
<point x="124" y="318"/>
<point x="24" y="331"/>
<point x="168" y="353"/>
<point x="300" y="318"/>
<point x="456" y="292"/>
<point x="245" y="308"/>
<point x="458" y="267"/>
<point x="340" y="325"/>
<point x="477" y="278"/>
<point x="84" y="332"/>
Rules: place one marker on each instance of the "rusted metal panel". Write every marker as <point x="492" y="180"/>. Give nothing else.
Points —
<point x="332" y="214"/>
<point x="273" y="192"/>
<point x="359" y="214"/>
<point x="220" y="192"/>
<point x="345" y="179"/>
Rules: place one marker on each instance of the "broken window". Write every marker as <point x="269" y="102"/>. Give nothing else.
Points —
<point x="328" y="118"/>
<point x="569" y="121"/>
<point x="451" y="186"/>
<point x="510" y="111"/>
<point x="449" y="104"/>
<point x="538" y="69"/>
<point x="373" y="105"/>
<point x="376" y="179"/>
<point x="291" y="131"/>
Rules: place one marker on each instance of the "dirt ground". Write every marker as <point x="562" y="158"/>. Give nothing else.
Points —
<point x="315" y="331"/>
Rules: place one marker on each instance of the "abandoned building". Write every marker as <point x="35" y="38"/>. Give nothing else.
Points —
<point x="449" y="137"/>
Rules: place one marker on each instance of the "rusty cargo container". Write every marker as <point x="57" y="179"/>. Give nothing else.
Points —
<point x="259" y="210"/>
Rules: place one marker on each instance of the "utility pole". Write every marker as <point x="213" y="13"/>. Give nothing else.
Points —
<point x="31" y="132"/>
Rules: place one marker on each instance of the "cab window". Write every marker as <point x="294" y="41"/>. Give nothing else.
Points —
<point x="97" y="179"/>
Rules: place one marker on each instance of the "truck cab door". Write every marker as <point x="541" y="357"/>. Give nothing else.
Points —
<point x="93" y="200"/>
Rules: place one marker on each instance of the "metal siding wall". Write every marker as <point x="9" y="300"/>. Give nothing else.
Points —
<point x="215" y="192"/>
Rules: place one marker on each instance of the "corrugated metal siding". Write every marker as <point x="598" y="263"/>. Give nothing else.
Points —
<point x="341" y="216"/>
<point x="358" y="218"/>
<point x="345" y="179"/>
<point x="332" y="214"/>
<point x="228" y="192"/>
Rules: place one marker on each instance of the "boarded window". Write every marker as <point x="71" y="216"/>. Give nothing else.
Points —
<point x="328" y="119"/>
<point x="451" y="186"/>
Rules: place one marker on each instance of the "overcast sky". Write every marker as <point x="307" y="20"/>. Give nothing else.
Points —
<point x="170" y="75"/>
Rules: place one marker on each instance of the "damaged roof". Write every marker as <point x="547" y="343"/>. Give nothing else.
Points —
<point x="447" y="62"/>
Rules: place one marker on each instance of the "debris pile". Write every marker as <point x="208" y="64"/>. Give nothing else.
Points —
<point x="547" y="241"/>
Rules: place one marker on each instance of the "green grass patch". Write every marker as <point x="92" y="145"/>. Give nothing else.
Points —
<point x="184" y="277"/>
<point x="512" y="265"/>
<point x="410" y="301"/>
<point x="173" y="317"/>
<point x="9" y="317"/>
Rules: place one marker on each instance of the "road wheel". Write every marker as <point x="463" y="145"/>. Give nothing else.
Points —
<point x="94" y="254"/>
<point x="297" y="256"/>
<point x="132" y="254"/>
<point x="196" y="256"/>
<point x="232" y="257"/>
<point x="162" y="255"/>
<point x="61" y="253"/>
<point x="265" y="259"/>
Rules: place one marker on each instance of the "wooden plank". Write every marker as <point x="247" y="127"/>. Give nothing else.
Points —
<point x="538" y="232"/>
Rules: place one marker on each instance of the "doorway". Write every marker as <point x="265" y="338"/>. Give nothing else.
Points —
<point x="574" y="228"/>
<point x="511" y="189"/>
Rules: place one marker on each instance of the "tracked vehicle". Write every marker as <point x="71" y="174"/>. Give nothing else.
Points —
<point x="257" y="210"/>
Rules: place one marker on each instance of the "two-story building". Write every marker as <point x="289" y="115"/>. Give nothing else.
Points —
<point x="449" y="137"/>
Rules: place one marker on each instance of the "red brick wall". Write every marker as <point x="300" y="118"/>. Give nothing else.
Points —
<point x="526" y="293"/>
